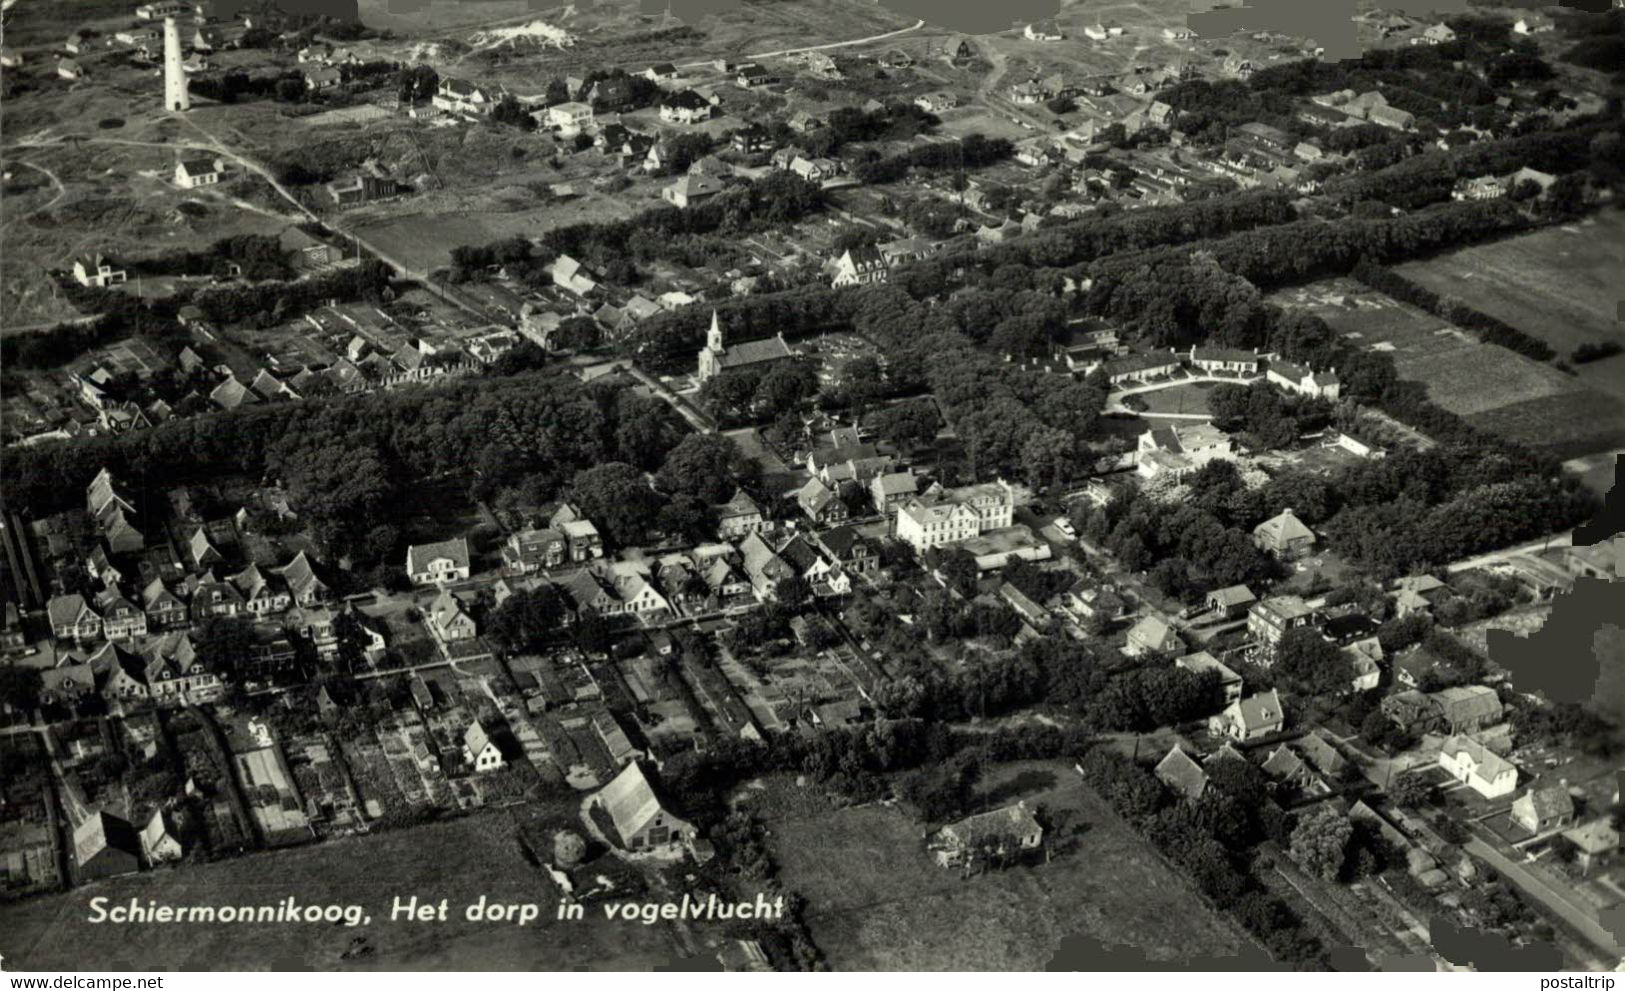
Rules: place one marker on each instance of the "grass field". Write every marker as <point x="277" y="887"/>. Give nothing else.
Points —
<point x="459" y="861"/>
<point x="1560" y="284"/>
<point x="1493" y="388"/>
<point x="878" y="902"/>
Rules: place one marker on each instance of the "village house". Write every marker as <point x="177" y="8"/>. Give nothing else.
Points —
<point x="640" y="821"/>
<point x="209" y="597"/>
<point x="1141" y="368"/>
<point x="71" y="618"/>
<point x="1250" y="718"/>
<point x="890" y="489"/>
<point x="998" y="835"/>
<point x="763" y="566"/>
<point x="718" y="357"/>
<point x="571" y="117"/>
<point x="320" y="78"/>
<point x="303" y="583"/>
<point x="194" y="172"/>
<point x="936" y="103"/>
<point x="1544" y="808"/>
<point x="480" y="751"/>
<point x="814" y="169"/>
<point x="581" y="537"/>
<point x="686" y="107"/>
<point x="448" y="620"/>
<point x="105" y="846"/>
<point x="121" y="619"/>
<point x="1103" y="31"/>
<point x="459" y="96"/>
<point x="1152" y="635"/>
<point x="438" y="563"/>
<point x="1284" y="536"/>
<point x="691" y="190"/>
<point x="822" y="504"/>
<point x="1181" y="774"/>
<point x="860" y="266"/>
<point x="1476" y="766"/>
<point x="1090" y="602"/>
<point x="95" y="270"/>
<point x="739" y="516"/>
<point x="1201" y="662"/>
<point x="160" y="839"/>
<point x="847" y="547"/>
<point x="751" y="75"/>
<point x="1230" y="602"/>
<point x="1272" y="618"/>
<point x="1228" y="361"/>
<point x="1296" y="378"/>
<point x="1045" y="30"/>
<point x="1594" y="843"/>
<point x="530" y="551"/>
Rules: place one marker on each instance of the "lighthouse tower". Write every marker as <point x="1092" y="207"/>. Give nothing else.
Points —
<point x="175" y="95"/>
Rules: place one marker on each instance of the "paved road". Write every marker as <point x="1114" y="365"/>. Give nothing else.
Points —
<point x="1563" y="539"/>
<point x="1559" y="902"/>
<point x="820" y="48"/>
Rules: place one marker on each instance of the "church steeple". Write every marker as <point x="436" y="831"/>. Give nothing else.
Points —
<point x="713" y="340"/>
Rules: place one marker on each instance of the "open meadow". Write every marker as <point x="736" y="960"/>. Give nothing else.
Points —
<point x="877" y="901"/>
<point x="1499" y="390"/>
<point x="1560" y="284"/>
<point x="459" y="860"/>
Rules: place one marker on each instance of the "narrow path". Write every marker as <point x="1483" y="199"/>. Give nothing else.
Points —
<point x="1548" y="895"/>
<point x="61" y="191"/>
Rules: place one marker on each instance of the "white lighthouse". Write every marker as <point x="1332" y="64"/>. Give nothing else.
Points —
<point x="175" y="95"/>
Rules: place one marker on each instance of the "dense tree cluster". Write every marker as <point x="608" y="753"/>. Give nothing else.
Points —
<point x="258" y="256"/>
<point x="667" y="232"/>
<point x="974" y="151"/>
<point x="521" y="439"/>
<point x="1212" y="840"/>
<point x="277" y="301"/>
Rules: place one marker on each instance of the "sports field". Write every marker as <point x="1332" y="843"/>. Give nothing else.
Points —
<point x="876" y="900"/>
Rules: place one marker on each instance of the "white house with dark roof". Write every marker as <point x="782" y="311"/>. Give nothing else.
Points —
<point x="480" y="751"/>
<point x="438" y="563"/>
<point x="686" y="107"/>
<point x="1250" y="718"/>
<point x="861" y="266"/>
<point x="96" y="270"/>
<point x="1478" y="767"/>
<point x="194" y="172"/>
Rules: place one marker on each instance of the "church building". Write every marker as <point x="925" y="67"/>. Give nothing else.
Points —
<point x="718" y="357"/>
